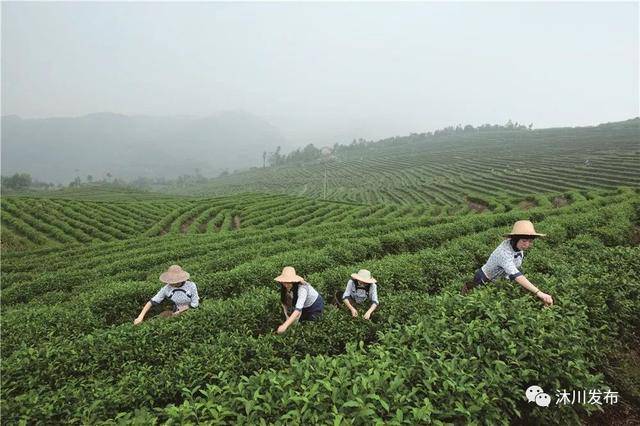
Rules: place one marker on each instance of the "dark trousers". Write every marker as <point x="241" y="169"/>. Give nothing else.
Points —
<point x="479" y="278"/>
<point x="313" y="312"/>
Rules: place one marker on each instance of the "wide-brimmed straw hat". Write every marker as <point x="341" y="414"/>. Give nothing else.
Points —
<point x="174" y="275"/>
<point x="525" y="228"/>
<point x="288" y="276"/>
<point x="364" y="276"/>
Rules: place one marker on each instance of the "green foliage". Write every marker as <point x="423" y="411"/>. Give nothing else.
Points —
<point x="449" y="168"/>
<point x="17" y="181"/>
<point x="428" y="355"/>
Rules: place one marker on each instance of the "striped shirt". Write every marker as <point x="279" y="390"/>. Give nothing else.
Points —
<point x="185" y="295"/>
<point x="503" y="262"/>
<point x="358" y="292"/>
<point x="307" y="295"/>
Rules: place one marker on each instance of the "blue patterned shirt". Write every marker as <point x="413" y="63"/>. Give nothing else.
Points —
<point x="504" y="262"/>
<point x="186" y="294"/>
<point x="359" y="292"/>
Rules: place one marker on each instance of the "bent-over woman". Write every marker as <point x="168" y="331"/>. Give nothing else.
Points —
<point x="299" y="299"/>
<point x="506" y="260"/>
<point x="360" y="288"/>
<point x="181" y="292"/>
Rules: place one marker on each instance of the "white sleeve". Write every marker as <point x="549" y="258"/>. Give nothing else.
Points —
<point x="159" y="297"/>
<point x="303" y="291"/>
<point x="195" y="299"/>
<point x="349" y="290"/>
<point x="373" y="294"/>
<point x="507" y="263"/>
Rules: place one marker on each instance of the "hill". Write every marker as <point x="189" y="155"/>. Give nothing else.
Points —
<point x="59" y="149"/>
<point x="457" y="166"/>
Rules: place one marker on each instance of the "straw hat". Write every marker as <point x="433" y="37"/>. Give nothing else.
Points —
<point x="288" y="276"/>
<point x="174" y="275"/>
<point x="364" y="276"/>
<point x="524" y="227"/>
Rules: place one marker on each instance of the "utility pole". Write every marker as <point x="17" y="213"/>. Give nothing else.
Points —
<point x="327" y="154"/>
<point x="325" y="181"/>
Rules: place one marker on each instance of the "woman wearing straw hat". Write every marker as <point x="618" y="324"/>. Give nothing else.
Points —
<point x="360" y="287"/>
<point x="507" y="258"/>
<point x="297" y="294"/>
<point x="182" y="293"/>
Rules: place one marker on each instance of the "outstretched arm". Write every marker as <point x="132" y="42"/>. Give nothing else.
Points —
<point x="292" y="318"/>
<point x="144" y="311"/>
<point x="345" y="298"/>
<point x="158" y="298"/>
<point x="524" y="282"/>
<point x="373" y="295"/>
<point x="367" y="314"/>
<point x="354" y="311"/>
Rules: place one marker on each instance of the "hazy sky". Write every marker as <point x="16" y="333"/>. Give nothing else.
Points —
<point x="326" y="72"/>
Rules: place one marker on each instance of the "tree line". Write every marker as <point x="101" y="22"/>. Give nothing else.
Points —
<point x="311" y="153"/>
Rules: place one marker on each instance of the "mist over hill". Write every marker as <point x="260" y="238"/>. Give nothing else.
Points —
<point x="452" y="166"/>
<point x="59" y="149"/>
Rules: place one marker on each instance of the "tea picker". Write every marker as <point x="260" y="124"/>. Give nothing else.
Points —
<point x="181" y="292"/>
<point x="298" y="298"/>
<point x="507" y="258"/>
<point x="360" y="288"/>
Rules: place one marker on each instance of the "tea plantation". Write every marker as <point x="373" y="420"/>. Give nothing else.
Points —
<point x="456" y="167"/>
<point x="76" y="272"/>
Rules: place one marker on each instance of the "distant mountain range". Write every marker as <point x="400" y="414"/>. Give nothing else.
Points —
<point x="59" y="149"/>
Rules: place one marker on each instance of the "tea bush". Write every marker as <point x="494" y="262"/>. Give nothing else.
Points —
<point x="428" y="355"/>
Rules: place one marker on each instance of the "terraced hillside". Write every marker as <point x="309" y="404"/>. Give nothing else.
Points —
<point x="29" y="223"/>
<point x="449" y="169"/>
<point x="95" y="192"/>
<point x="72" y="354"/>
